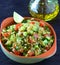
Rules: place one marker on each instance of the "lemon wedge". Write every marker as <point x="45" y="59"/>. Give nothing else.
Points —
<point x="17" y="18"/>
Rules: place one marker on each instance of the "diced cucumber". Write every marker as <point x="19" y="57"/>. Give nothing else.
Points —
<point x="35" y="28"/>
<point x="37" y="52"/>
<point x="13" y="32"/>
<point x="8" y="43"/>
<point x="47" y="32"/>
<point x="43" y="44"/>
<point x="22" y="28"/>
<point x="17" y="48"/>
<point x="36" y="46"/>
<point x="11" y="28"/>
<point x="44" y="32"/>
<point x="18" y="39"/>
<point x="25" y="48"/>
<point x="45" y="41"/>
<point x="13" y="37"/>
<point x="51" y="41"/>
<point x="48" y="38"/>
<point x="31" y="32"/>
<point x="25" y="33"/>
<point x="28" y="20"/>
<point x="26" y="25"/>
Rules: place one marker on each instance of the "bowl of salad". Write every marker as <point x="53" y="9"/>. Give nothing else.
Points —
<point x="29" y="41"/>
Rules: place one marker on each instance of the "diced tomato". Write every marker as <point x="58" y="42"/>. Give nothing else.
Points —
<point x="16" y="52"/>
<point x="6" y="34"/>
<point x="42" y="24"/>
<point x="21" y="50"/>
<point x="48" y="47"/>
<point x="17" y="26"/>
<point x="45" y="35"/>
<point x="36" y="35"/>
<point x="32" y="22"/>
<point x="30" y="40"/>
<point x="50" y="32"/>
<point x="31" y="53"/>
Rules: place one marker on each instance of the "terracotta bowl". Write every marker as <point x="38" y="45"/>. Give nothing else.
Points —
<point x="21" y="59"/>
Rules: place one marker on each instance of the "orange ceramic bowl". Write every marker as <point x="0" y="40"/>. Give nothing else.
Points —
<point x="21" y="59"/>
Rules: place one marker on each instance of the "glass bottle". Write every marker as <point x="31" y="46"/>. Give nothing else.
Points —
<point x="44" y="9"/>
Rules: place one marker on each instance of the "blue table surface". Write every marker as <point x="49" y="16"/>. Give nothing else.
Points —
<point x="21" y="6"/>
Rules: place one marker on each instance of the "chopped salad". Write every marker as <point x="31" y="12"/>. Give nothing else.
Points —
<point x="28" y="38"/>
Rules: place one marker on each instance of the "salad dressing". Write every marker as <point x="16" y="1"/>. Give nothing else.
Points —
<point x="44" y="9"/>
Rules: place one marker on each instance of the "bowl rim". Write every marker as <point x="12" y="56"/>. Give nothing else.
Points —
<point x="43" y="55"/>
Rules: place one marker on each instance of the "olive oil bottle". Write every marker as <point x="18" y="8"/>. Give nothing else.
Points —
<point x="44" y="9"/>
